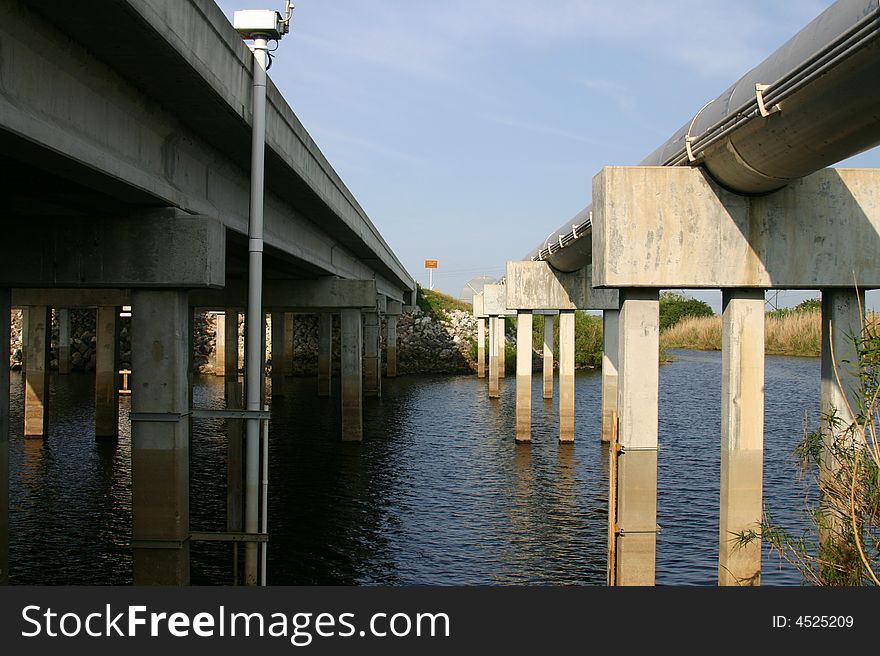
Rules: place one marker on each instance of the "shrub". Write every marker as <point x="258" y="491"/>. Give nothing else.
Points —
<point x="674" y="307"/>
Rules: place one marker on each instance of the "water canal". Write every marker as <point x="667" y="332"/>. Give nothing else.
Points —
<point x="438" y="493"/>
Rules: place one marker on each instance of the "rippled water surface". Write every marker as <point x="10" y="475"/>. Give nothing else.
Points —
<point x="438" y="493"/>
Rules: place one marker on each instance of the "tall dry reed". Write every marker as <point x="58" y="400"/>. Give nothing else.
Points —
<point x="797" y="333"/>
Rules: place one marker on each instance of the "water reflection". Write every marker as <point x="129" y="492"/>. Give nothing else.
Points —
<point x="438" y="493"/>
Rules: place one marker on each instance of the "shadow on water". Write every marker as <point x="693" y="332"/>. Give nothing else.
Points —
<point x="438" y="493"/>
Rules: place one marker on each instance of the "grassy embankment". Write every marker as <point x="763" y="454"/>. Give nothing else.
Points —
<point x="438" y="304"/>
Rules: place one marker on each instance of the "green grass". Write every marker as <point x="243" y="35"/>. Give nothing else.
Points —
<point x="587" y="338"/>
<point x="439" y="304"/>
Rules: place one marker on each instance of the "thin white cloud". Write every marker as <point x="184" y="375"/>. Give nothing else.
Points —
<point x="442" y="40"/>
<point x="621" y="95"/>
<point x="326" y="135"/>
<point x="541" y="129"/>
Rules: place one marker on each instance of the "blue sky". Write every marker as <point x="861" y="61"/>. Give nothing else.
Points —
<point x="470" y="129"/>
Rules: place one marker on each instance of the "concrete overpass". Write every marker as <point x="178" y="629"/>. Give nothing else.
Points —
<point x="125" y="132"/>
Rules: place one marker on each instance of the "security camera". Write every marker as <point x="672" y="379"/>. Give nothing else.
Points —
<point x="251" y="23"/>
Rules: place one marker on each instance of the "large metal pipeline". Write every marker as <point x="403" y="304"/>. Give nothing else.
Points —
<point x="812" y="103"/>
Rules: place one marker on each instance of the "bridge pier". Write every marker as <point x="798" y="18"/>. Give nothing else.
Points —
<point x="36" y="344"/>
<point x="548" y="357"/>
<point x="524" y="376"/>
<point x="742" y="435"/>
<point x="481" y="347"/>
<point x="610" y="348"/>
<point x="325" y="354"/>
<point x="5" y="319"/>
<point x="277" y="331"/>
<point x="351" y="329"/>
<point x="638" y="395"/>
<point x="501" y="344"/>
<point x="62" y="315"/>
<point x="233" y="394"/>
<point x="821" y="231"/>
<point x="535" y="287"/>
<point x="288" y="347"/>
<point x="393" y="309"/>
<point x="841" y="328"/>
<point x="372" y="355"/>
<point x="566" y="375"/>
<point x="493" y="358"/>
<point x="106" y="386"/>
<point x="160" y="427"/>
<point x="391" y="346"/>
<point x="219" y="364"/>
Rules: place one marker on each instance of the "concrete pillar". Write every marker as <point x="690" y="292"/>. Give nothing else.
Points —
<point x="160" y="398"/>
<point x="24" y="332"/>
<point x="841" y="327"/>
<point x="493" y="358"/>
<point x="566" y="376"/>
<point x="524" y="376"/>
<point x="501" y="345"/>
<point x="548" y="357"/>
<point x="62" y="315"/>
<point x="106" y="386"/>
<point x="5" y="318"/>
<point x="36" y="397"/>
<point x="288" y="352"/>
<point x="372" y="355"/>
<point x="610" y="340"/>
<point x="742" y="434"/>
<point x="277" y="354"/>
<point x="220" y="344"/>
<point x="391" y="345"/>
<point x="234" y="431"/>
<point x="352" y="376"/>
<point x="325" y="354"/>
<point x="481" y="347"/>
<point x="637" y="398"/>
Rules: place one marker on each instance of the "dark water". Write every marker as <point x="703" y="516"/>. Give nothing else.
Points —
<point x="438" y="493"/>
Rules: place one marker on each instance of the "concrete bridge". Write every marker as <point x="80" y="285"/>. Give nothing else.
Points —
<point x="125" y="131"/>
<point x="737" y="200"/>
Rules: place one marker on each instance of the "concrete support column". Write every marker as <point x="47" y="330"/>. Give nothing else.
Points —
<point x="24" y="332"/>
<point x="36" y="396"/>
<point x="493" y="358"/>
<point x="220" y="344"/>
<point x="548" y="357"/>
<point x="5" y="318"/>
<point x="234" y="430"/>
<point x="62" y="315"/>
<point x="391" y="345"/>
<point x="325" y="354"/>
<point x="277" y="354"/>
<point x="352" y="376"/>
<point x="288" y="352"/>
<point x="637" y="398"/>
<point x="481" y="347"/>
<point x="233" y="394"/>
<point x="524" y="376"/>
<point x="610" y="356"/>
<point x="160" y="401"/>
<point x="372" y="355"/>
<point x="501" y="345"/>
<point x="106" y="386"/>
<point x="566" y="376"/>
<point x="742" y="434"/>
<point x="841" y="328"/>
